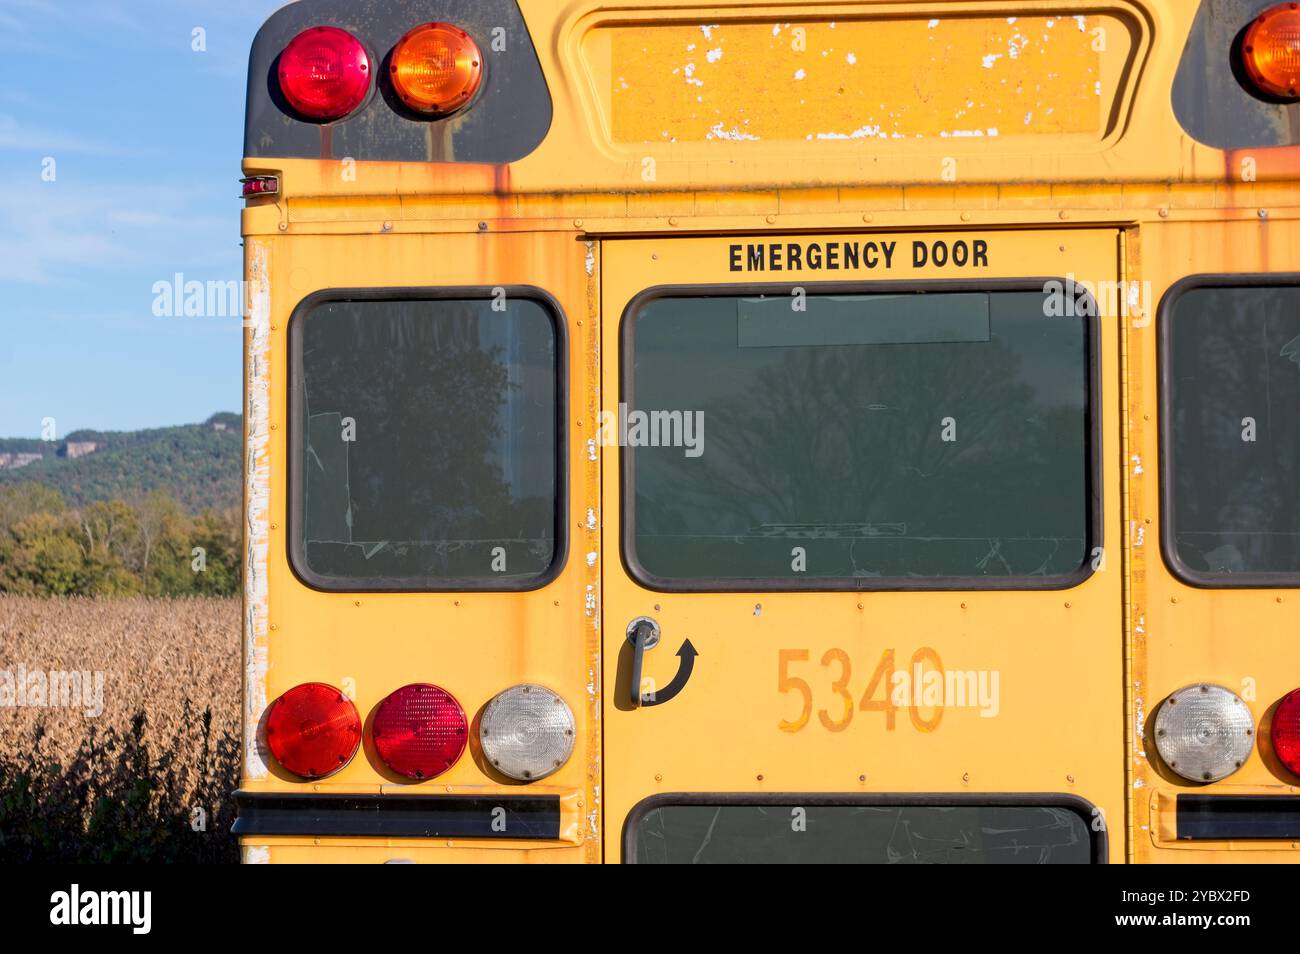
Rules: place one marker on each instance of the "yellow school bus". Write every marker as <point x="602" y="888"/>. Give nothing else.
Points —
<point x="772" y="432"/>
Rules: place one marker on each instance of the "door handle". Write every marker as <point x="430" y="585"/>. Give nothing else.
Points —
<point x="643" y="634"/>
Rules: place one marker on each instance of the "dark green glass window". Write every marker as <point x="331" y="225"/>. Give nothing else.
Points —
<point x="1233" y="434"/>
<point x="426" y="443"/>
<point x="859" y="440"/>
<point x="858" y="834"/>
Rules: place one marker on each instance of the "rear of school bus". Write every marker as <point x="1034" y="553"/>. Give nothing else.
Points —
<point x="795" y="432"/>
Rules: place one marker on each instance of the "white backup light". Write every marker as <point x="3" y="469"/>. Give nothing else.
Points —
<point x="527" y="732"/>
<point x="1204" y="732"/>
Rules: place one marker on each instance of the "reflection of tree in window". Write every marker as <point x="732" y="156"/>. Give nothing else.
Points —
<point x="840" y="449"/>
<point x="424" y="489"/>
<point x="1235" y="506"/>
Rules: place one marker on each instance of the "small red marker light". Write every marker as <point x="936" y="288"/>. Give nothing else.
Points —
<point x="420" y="731"/>
<point x="1285" y="732"/>
<point x="325" y="73"/>
<point x="254" y="186"/>
<point x="313" y="730"/>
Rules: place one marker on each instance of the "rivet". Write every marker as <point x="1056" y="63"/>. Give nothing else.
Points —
<point x="771" y="219"/>
<point x="273" y="626"/>
<point x="659" y="778"/>
<point x="963" y="605"/>
<point x="965" y="776"/>
<point x="1070" y="779"/>
<point x="1263" y="213"/>
<point x="759" y="777"/>
<point x="284" y="226"/>
<point x="356" y="603"/>
<point x="482" y="226"/>
<point x="867" y="216"/>
<point x="1164" y="213"/>
<point x="1173" y="599"/>
<point x="965" y="216"/>
<point x="577" y="223"/>
<point x="1067" y="604"/>
<point x="862" y="778"/>
<point x="273" y="527"/>
<point x="672" y="220"/>
<point x="859" y="606"/>
<point x="388" y="226"/>
<point x="1279" y="599"/>
<point x="1063" y="214"/>
<point x="272" y="427"/>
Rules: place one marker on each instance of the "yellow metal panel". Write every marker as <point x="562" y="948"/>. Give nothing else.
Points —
<point x="1059" y="653"/>
<point x="843" y="78"/>
<point x="472" y="644"/>
<point x="1242" y="639"/>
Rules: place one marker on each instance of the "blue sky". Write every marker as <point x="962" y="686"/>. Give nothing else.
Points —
<point x="146" y="135"/>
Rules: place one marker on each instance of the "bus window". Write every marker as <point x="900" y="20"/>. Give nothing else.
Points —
<point x="1232" y="439"/>
<point x="791" y="833"/>
<point x="850" y="441"/>
<point x="425" y="445"/>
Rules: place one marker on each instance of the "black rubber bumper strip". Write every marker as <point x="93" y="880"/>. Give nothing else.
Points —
<point x="1238" y="817"/>
<point x="398" y="816"/>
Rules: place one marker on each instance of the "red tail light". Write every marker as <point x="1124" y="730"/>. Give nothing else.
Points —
<point x="313" y="730"/>
<point x="325" y="73"/>
<point x="1286" y="732"/>
<point x="420" y="731"/>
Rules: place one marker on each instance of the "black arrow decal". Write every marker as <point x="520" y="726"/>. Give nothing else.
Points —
<point x="687" y="654"/>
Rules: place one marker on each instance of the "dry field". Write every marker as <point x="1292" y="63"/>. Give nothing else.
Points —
<point x="134" y="781"/>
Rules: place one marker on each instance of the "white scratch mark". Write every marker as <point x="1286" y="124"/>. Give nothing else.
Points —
<point x="799" y="74"/>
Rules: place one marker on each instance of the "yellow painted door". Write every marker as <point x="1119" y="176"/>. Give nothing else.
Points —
<point x="771" y="676"/>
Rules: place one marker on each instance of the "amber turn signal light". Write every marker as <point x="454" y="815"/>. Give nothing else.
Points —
<point x="436" y="69"/>
<point x="1270" y="51"/>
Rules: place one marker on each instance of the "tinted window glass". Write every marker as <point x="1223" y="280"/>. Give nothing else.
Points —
<point x="940" y="435"/>
<point x="1234" y="379"/>
<point x="427" y="435"/>
<point x="851" y="834"/>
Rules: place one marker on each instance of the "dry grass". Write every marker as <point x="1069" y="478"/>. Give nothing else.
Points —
<point x="125" y="784"/>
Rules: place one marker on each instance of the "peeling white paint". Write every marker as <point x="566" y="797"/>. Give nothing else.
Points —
<point x="990" y="59"/>
<point x="708" y="30"/>
<point x="932" y="24"/>
<point x="592" y="522"/>
<point x="591" y="449"/>
<point x="590" y="602"/>
<point x="256" y="855"/>
<point x="1137" y="466"/>
<point x="735" y="134"/>
<point x="714" y="54"/>
<point x="1138" y="783"/>
<point x="1083" y="23"/>
<point x="799" y="74"/>
<point x="257" y="492"/>
<point x="851" y="58"/>
<point x="866" y="132"/>
<point x="592" y="557"/>
<point x="591" y="259"/>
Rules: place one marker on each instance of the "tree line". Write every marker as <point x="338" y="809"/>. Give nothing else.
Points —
<point x="148" y="546"/>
